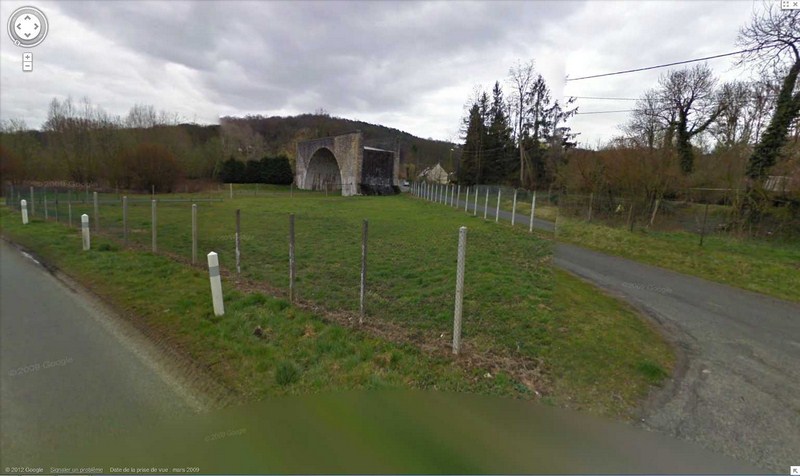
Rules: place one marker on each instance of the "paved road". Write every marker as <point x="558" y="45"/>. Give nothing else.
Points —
<point x="76" y="382"/>
<point x="737" y="390"/>
<point x="70" y="372"/>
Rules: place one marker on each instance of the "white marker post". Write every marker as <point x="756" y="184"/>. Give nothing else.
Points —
<point x="23" y="206"/>
<point x="87" y="241"/>
<point x="216" y="284"/>
<point x="533" y="210"/>
<point x="514" y="209"/>
<point x="462" y="251"/>
<point x="497" y="212"/>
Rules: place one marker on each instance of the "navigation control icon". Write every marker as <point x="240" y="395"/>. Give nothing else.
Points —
<point x="27" y="27"/>
<point x="27" y="62"/>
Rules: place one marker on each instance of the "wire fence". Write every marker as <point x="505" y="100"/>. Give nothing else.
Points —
<point x="699" y="212"/>
<point x="411" y="277"/>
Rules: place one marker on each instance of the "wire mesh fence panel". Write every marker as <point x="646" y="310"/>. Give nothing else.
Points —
<point x="709" y="212"/>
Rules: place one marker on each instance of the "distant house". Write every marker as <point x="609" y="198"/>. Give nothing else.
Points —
<point x="435" y="174"/>
<point x="779" y="184"/>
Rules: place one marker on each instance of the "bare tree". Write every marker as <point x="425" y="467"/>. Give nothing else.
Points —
<point x="521" y="76"/>
<point x="652" y="122"/>
<point x="690" y="94"/>
<point x="772" y="41"/>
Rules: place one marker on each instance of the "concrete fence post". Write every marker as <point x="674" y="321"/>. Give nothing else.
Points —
<point x="363" y="293"/>
<point x="462" y="250"/>
<point x="237" y="239"/>
<point x="497" y="211"/>
<point x="154" y="225"/>
<point x="466" y="201"/>
<point x="194" y="233"/>
<point x="96" y="212"/>
<point x="486" y="204"/>
<point x="125" y="220"/>
<point x="655" y="210"/>
<point x="475" y="205"/>
<point x="452" y="195"/>
<point x="87" y="241"/>
<point x="555" y="223"/>
<point x="533" y="211"/>
<point x="291" y="258"/>
<point x="216" y="284"/>
<point x="33" y="204"/>
<point x="458" y="195"/>
<point x="514" y="209"/>
<point x="703" y="230"/>
<point x="630" y="217"/>
<point x="23" y="207"/>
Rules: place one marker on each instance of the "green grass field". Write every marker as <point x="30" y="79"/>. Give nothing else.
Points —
<point x="765" y="267"/>
<point x="527" y="328"/>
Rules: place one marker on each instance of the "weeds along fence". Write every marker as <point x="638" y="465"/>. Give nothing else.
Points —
<point x="698" y="211"/>
<point x="411" y="263"/>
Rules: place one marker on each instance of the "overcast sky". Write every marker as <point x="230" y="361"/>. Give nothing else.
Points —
<point x="406" y="65"/>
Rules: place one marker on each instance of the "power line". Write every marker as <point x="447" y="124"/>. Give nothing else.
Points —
<point x="604" y="112"/>
<point x="661" y="65"/>
<point x="597" y="97"/>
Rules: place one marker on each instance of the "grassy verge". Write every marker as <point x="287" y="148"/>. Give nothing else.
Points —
<point x="768" y="268"/>
<point x="584" y="349"/>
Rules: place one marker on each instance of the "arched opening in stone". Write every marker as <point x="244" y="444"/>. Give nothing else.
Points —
<point x="323" y="171"/>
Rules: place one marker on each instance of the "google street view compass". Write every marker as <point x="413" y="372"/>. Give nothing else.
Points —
<point x="27" y="27"/>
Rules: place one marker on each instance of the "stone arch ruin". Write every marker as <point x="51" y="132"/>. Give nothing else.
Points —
<point x="343" y="163"/>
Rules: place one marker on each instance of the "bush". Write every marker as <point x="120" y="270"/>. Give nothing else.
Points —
<point x="151" y="165"/>
<point x="276" y="170"/>
<point x="232" y="171"/>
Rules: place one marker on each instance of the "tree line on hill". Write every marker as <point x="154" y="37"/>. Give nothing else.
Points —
<point x="80" y="142"/>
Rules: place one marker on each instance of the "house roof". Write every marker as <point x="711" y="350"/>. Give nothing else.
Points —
<point x="379" y="150"/>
